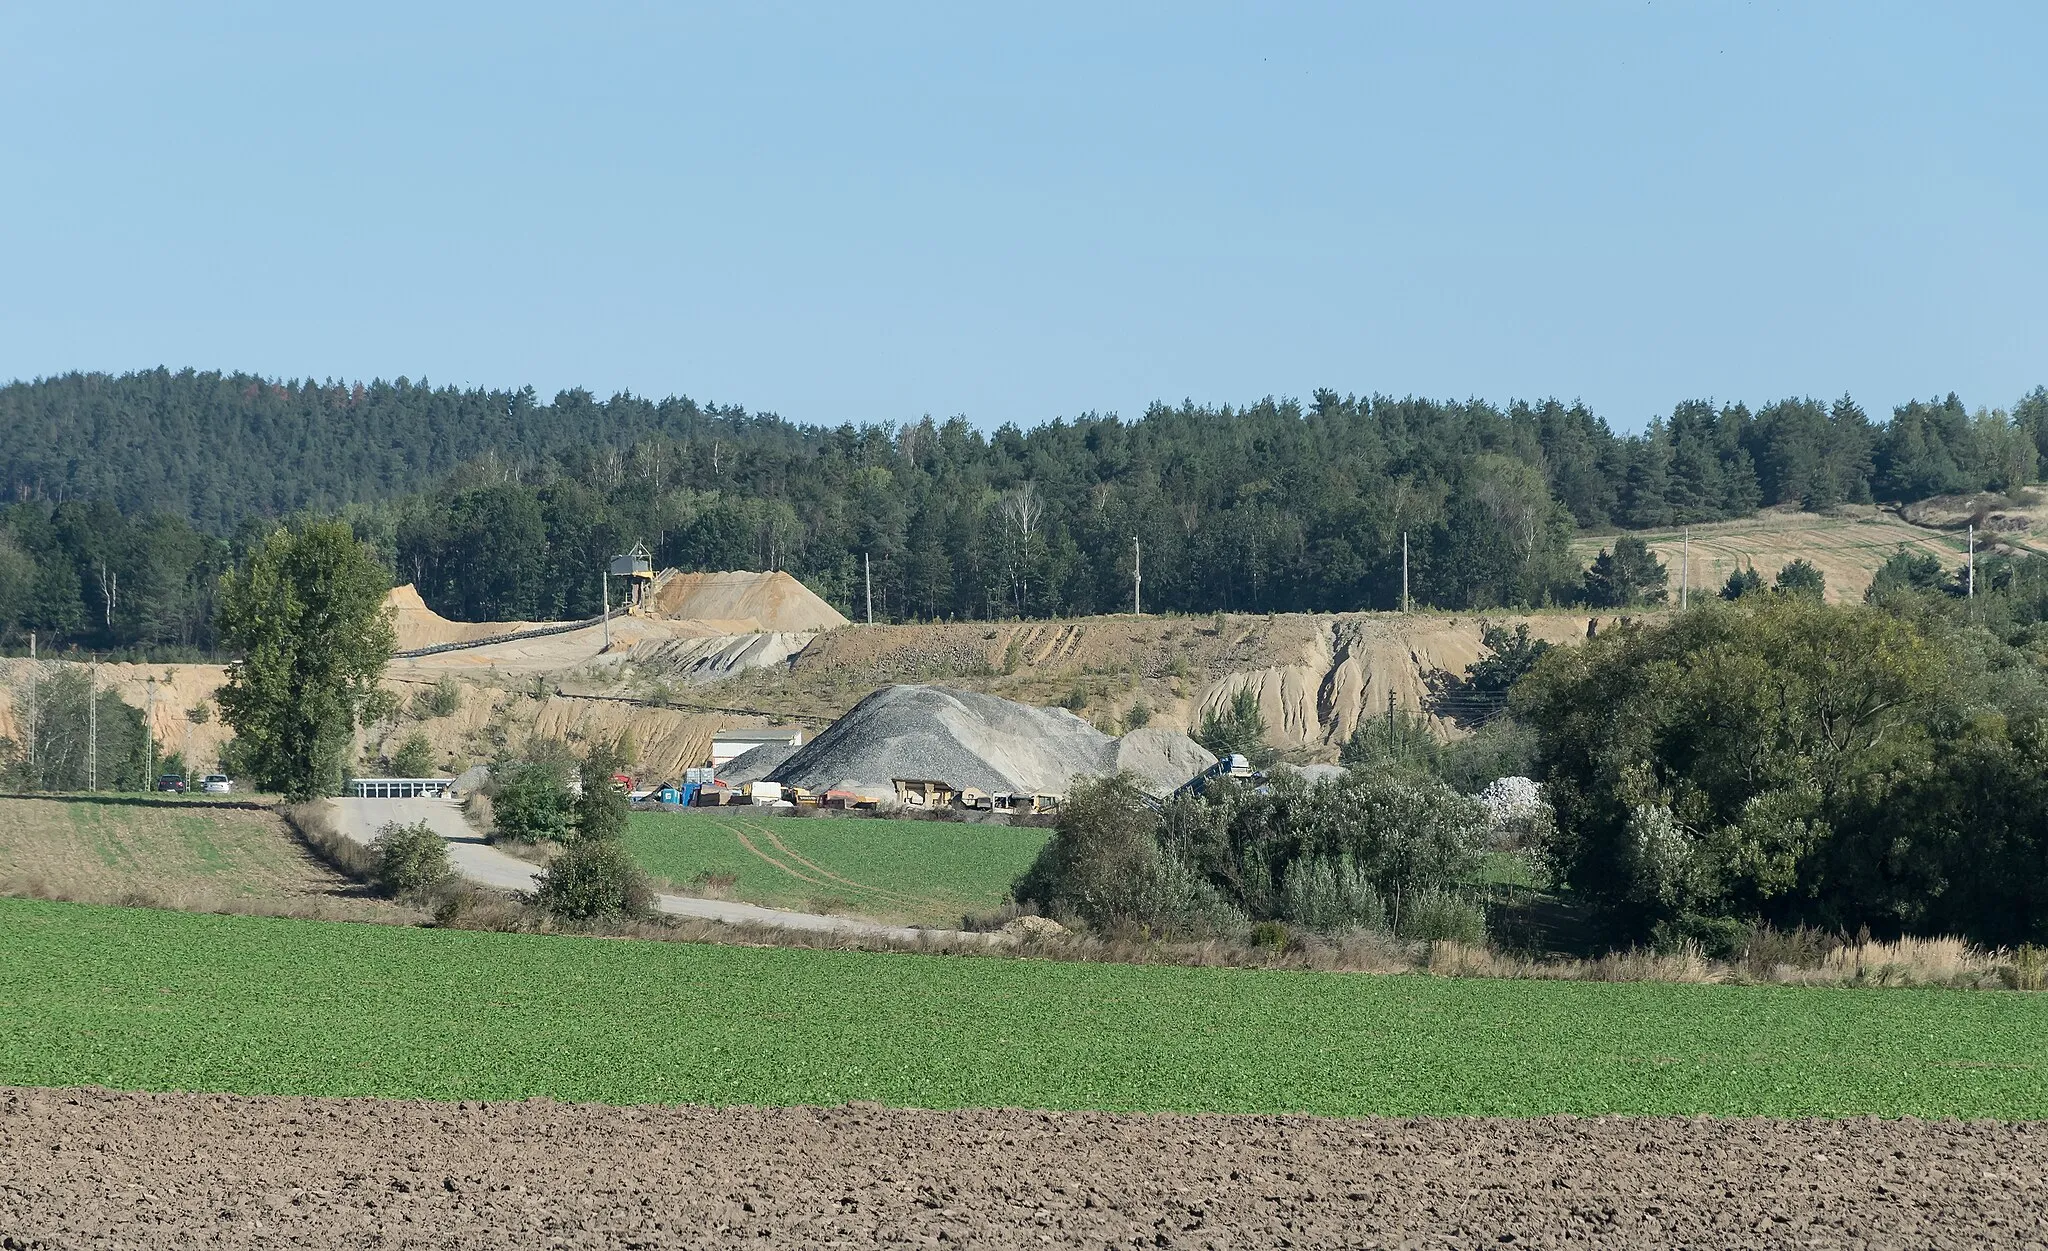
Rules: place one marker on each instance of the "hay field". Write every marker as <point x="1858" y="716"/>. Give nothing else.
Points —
<point x="910" y="872"/>
<point x="182" y="853"/>
<point x="142" y="999"/>
<point x="1847" y="548"/>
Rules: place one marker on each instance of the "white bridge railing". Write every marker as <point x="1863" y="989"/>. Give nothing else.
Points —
<point x="399" y="788"/>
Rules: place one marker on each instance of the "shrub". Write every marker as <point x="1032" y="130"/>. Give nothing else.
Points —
<point x="1105" y="868"/>
<point x="409" y="858"/>
<point x="1138" y="717"/>
<point x="594" y="881"/>
<point x="530" y="804"/>
<point x="1394" y="740"/>
<point x="414" y="757"/>
<point x="443" y="699"/>
<point x="1330" y="896"/>
<point x="1434" y="915"/>
<point x="601" y="809"/>
<point x="1801" y="578"/>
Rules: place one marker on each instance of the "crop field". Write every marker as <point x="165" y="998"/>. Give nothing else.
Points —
<point x="919" y="872"/>
<point x="157" y="1000"/>
<point x="183" y="852"/>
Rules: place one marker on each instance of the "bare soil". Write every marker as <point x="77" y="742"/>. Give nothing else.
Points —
<point x="90" y="1168"/>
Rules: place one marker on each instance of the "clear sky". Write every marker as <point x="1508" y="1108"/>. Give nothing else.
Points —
<point x="870" y="212"/>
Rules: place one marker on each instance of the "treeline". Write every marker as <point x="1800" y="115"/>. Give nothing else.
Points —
<point x="499" y="506"/>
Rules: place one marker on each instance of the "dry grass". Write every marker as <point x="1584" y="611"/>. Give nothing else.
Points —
<point x="337" y="907"/>
<point x="190" y="856"/>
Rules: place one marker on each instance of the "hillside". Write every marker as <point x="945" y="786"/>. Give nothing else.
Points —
<point x="497" y="507"/>
<point x="1847" y="546"/>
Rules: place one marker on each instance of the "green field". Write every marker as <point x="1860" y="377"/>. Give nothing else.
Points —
<point x="155" y="1000"/>
<point x="919" y="872"/>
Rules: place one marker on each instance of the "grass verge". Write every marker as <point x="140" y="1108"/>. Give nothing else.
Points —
<point x="150" y="1000"/>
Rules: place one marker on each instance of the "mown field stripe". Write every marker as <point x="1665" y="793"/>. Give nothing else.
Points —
<point x="142" y="999"/>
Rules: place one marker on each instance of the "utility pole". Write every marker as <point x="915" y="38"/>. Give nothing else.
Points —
<point x="1685" y="571"/>
<point x="1404" y="571"/>
<point x="35" y="775"/>
<point x="604" y="579"/>
<point x="92" y="719"/>
<point x="1137" y="578"/>
<point x="867" y="573"/>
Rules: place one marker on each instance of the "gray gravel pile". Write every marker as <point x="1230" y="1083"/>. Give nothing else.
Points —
<point x="754" y="764"/>
<point x="958" y="737"/>
<point x="1162" y="758"/>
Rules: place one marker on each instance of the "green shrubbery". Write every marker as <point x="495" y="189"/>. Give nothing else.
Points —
<point x="595" y="879"/>
<point x="531" y="804"/>
<point x="409" y="859"/>
<point x="1778" y="760"/>
<point x="1329" y="858"/>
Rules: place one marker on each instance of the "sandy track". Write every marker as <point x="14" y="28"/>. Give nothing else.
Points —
<point x="103" y="1169"/>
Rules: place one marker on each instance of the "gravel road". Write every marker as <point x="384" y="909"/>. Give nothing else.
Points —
<point x="101" y="1169"/>
<point x="483" y="864"/>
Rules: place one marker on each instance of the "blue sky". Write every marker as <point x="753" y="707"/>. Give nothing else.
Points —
<point x="871" y="212"/>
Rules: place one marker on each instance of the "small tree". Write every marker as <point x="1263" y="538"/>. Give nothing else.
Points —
<point x="530" y="804"/>
<point x="1744" y="581"/>
<point x="307" y="622"/>
<point x="601" y="809"/>
<point x="1395" y="740"/>
<point x="1802" y="579"/>
<point x="1240" y="729"/>
<point x="409" y="858"/>
<point x="442" y="699"/>
<point x="1908" y="572"/>
<point x="414" y="757"/>
<point x="1628" y="575"/>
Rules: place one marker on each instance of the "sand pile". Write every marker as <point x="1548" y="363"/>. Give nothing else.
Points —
<point x="742" y="602"/>
<point x="420" y="626"/>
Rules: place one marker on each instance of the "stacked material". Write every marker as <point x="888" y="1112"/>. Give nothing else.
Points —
<point x="1162" y="759"/>
<point x="963" y="739"/>
<point x="754" y="765"/>
<point x="740" y="602"/>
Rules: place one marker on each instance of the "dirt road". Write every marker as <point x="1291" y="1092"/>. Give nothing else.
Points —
<point x="99" y="1169"/>
<point x="479" y="862"/>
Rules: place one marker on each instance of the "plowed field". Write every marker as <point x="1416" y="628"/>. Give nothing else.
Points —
<point x="96" y="1169"/>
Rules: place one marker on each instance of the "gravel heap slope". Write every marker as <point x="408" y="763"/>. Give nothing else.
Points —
<point x="95" y="1168"/>
<point x="969" y="739"/>
<point x="959" y="737"/>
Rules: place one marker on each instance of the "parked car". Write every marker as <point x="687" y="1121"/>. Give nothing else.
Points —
<point x="217" y="784"/>
<point x="174" y="782"/>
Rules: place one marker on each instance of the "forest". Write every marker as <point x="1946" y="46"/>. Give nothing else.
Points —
<point x="129" y="496"/>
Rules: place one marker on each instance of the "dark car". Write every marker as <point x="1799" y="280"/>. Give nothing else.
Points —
<point x="171" y="782"/>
